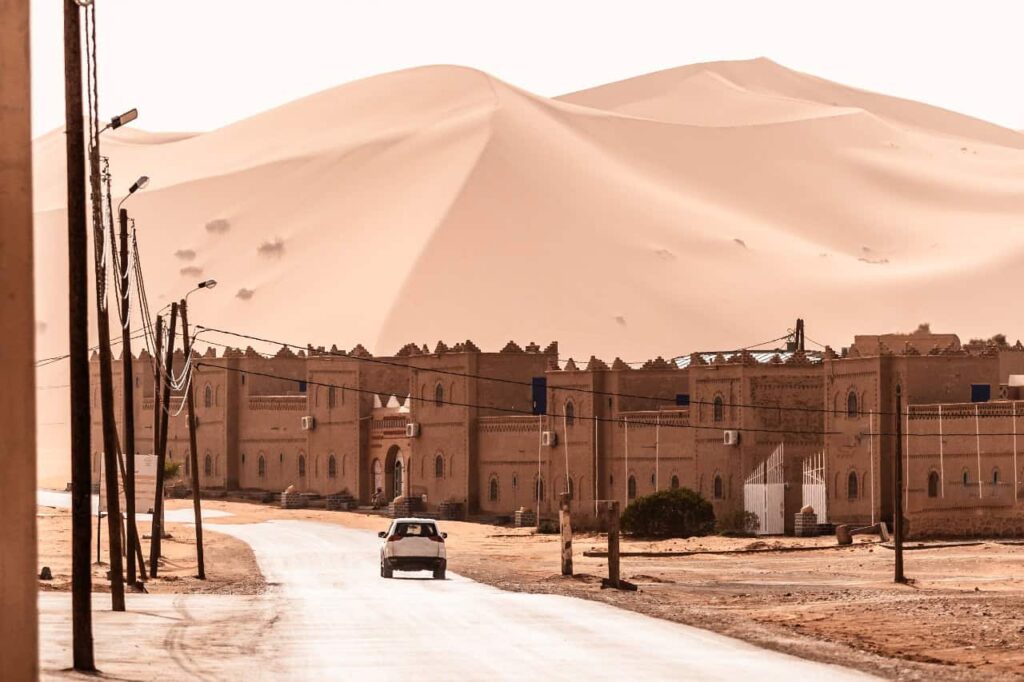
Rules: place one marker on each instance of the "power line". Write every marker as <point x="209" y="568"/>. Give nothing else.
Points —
<point x="512" y="410"/>
<point x="517" y="382"/>
<point x="646" y="421"/>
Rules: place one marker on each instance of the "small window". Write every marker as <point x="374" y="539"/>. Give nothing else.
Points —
<point x="851" y="405"/>
<point x="208" y="396"/>
<point x="718" y="409"/>
<point x="995" y="477"/>
<point x="332" y="397"/>
<point x="718" y="489"/>
<point x="208" y="465"/>
<point x="570" y="413"/>
<point x="631" y="487"/>
<point x="332" y="467"/>
<point x="492" y="493"/>
<point x="438" y="395"/>
<point x="933" y="484"/>
<point x="303" y="387"/>
<point x="439" y="467"/>
<point x="851" y="486"/>
<point x="675" y="483"/>
<point x="302" y="465"/>
<point x="538" y="489"/>
<point x="966" y="478"/>
<point x="261" y="467"/>
<point x="243" y="458"/>
<point x="515" y="481"/>
<point x="654" y="480"/>
<point x="571" y="490"/>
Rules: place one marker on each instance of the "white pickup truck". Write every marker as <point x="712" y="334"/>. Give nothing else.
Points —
<point x="413" y="545"/>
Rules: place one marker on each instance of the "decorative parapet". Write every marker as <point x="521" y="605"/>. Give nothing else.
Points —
<point x="291" y="403"/>
<point x="511" y="347"/>
<point x="595" y="364"/>
<point x="652" y="418"/>
<point x="524" y="424"/>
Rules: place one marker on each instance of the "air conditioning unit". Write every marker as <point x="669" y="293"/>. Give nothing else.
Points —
<point x="412" y="430"/>
<point x="308" y="423"/>
<point x="549" y="439"/>
<point x="730" y="437"/>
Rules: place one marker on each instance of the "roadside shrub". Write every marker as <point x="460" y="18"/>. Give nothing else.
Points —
<point x="739" y="522"/>
<point x="679" y="513"/>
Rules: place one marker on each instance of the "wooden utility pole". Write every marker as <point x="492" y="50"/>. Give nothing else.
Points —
<point x="128" y="409"/>
<point x="78" y="346"/>
<point x="109" y="435"/>
<point x="565" y="521"/>
<point x="611" y="513"/>
<point x="161" y="444"/>
<point x="193" y="450"/>
<point x="897" y="491"/>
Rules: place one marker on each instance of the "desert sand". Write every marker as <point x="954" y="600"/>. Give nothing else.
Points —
<point x="696" y="208"/>
<point x="236" y="569"/>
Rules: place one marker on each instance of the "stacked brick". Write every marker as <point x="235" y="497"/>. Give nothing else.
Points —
<point x="342" y="501"/>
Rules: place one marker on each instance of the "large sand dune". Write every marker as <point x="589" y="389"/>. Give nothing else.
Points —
<point x="700" y="207"/>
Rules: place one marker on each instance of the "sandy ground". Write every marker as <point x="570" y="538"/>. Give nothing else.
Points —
<point x="231" y="566"/>
<point x="832" y="604"/>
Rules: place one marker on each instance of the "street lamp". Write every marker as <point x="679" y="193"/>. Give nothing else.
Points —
<point x="136" y="186"/>
<point x="123" y="119"/>
<point x="205" y="284"/>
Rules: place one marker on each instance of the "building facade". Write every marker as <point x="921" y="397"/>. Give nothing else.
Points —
<point x="495" y="432"/>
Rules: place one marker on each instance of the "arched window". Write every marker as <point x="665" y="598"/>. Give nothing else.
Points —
<point x="718" y="409"/>
<point x="718" y="489"/>
<point x="654" y="480"/>
<point x="851" y="486"/>
<point x="675" y="483"/>
<point x="208" y="396"/>
<point x="261" y="467"/>
<point x="933" y="484"/>
<point x="439" y="466"/>
<point x="538" y="489"/>
<point x="208" y="465"/>
<point x="570" y="413"/>
<point x="332" y="397"/>
<point x="439" y="395"/>
<point x="515" y="481"/>
<point x="332" y="467"/>
<point x="851" y="405"/>
<point x="966" y="478"/>
<point x="631" y="487"/>
<point x="995" y="477"/>
<point x="492" y="492"/>
<point x="302" y="465"/>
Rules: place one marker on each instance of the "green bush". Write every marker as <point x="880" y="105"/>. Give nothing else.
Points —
<point x="679" y="513"/>
<point x="738" y="522"/>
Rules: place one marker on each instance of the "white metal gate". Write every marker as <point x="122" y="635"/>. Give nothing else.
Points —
<point x="814" y="485"/>
<point x="764" y="494"/>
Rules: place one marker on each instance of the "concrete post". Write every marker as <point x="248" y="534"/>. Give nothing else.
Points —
<point x="565" y="521"/>
<point x="19" y="625"/>
<point x="610" y="508"/>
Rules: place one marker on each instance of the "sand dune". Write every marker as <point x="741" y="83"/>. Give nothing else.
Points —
<point x="700" y="207"/>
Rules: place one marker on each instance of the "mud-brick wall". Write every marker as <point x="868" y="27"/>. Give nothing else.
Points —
<point x="967" y="522"/>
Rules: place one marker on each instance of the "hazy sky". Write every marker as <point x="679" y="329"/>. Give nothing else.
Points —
<point x="200" y="64"/>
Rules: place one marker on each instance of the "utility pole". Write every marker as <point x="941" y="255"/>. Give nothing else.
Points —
<point x="565" y="522"/>
<point x="128" y="409"/>
<point x="161" y="445"/>
<point x="897" y="491"/>
<point x="78" y="345"/>
<point x="193" y="450"/>
<point x="610" y="508"/>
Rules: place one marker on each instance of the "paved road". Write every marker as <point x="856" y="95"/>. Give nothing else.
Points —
<point x="329" y="616"/>
<point x="338" y="619"/>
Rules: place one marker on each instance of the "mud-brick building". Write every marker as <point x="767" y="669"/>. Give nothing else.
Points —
<point x="931" y="373"/>
<point x="493" y="432"/>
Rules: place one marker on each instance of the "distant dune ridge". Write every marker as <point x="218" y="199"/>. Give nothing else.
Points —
<point x="697" y="203"/>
